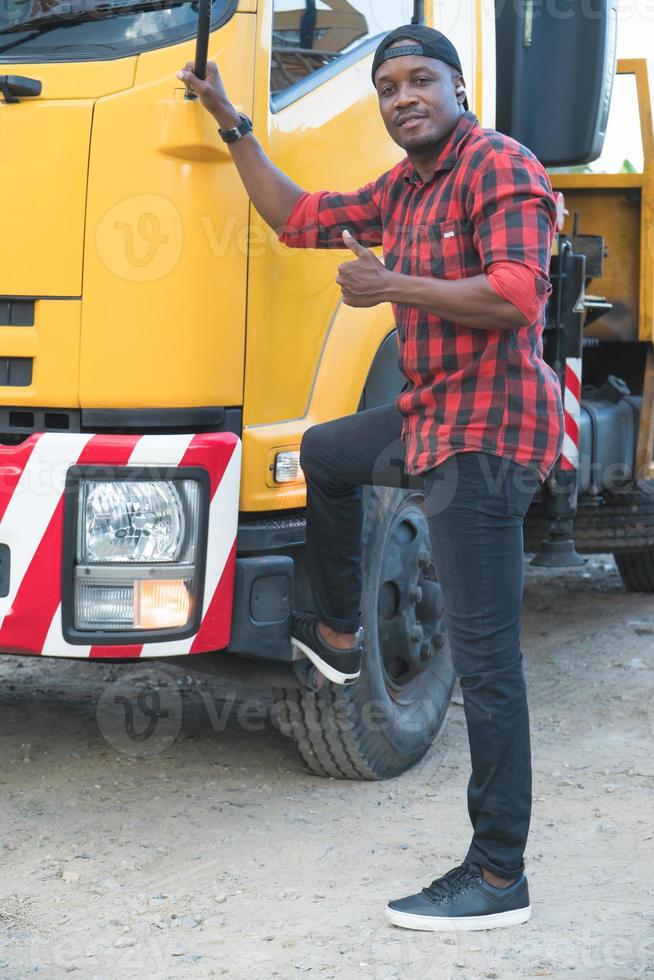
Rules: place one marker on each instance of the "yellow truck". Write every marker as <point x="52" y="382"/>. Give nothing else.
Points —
<point x="161" y="354"/>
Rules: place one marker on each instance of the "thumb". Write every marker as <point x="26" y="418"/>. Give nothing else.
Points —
<point x="353" y="244"/>
<point x="187" y="75"/>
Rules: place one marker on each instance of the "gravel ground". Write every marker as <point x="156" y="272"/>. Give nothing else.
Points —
<point x="205" y="849"/>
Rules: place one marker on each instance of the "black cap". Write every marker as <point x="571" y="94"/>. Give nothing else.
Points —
<point x="429" y="43"/>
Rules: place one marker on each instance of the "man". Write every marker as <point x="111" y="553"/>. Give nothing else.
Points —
<point x="466" y="221"/>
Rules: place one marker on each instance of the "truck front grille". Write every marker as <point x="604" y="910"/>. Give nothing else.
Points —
<point x="16" y="312"/>
<point x="16" y="424"/>
<point x="15" y="372"/>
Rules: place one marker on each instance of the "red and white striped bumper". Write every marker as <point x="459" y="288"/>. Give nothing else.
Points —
<point x="572" y="414"/>
<point x="32" y="481"/>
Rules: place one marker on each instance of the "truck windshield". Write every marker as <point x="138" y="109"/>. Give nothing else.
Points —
<point x="96" y="30"/>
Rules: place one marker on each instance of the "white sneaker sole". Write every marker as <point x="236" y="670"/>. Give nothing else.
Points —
<point x="336" y="676"/>
<point x="472" y="923"/>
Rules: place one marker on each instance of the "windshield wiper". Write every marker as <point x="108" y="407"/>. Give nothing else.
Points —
<point x="69" y="17"/>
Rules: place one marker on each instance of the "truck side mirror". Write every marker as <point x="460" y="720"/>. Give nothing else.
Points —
<point x="555" y="71"/>
<point x="15" y="87"/>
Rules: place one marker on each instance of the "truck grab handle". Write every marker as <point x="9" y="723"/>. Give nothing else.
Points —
<point x="418" y="12"/>
<point x="202" y="42"/>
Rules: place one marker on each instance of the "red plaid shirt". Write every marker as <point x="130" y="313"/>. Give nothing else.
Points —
<point x="469" y="389"/>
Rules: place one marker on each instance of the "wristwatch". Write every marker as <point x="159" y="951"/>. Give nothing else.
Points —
<point x="237" y="132"/>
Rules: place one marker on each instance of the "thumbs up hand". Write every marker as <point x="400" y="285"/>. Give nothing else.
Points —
<point x="365" y="281"/>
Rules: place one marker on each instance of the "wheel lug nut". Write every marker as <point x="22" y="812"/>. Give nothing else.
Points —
<point x="416" y="633"/>
<point x="423" y="558"/>
<point x="425" y="652"/>
<point x="415" y="595"/>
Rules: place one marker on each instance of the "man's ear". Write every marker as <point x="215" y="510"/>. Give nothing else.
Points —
<point x="460" y="88"/>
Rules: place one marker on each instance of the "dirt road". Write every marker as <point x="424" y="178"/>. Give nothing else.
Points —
<point x="205" y="850"/>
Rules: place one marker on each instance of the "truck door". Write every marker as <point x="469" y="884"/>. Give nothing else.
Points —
<point x="323" y="121"/>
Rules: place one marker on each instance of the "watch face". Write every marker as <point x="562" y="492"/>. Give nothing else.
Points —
<point x="236" y="132"/>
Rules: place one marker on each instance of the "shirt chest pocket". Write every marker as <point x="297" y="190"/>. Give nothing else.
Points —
<point x="447" y="250"/>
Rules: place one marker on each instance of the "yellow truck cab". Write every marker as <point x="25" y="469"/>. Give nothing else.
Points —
<point x="161" y="354"/>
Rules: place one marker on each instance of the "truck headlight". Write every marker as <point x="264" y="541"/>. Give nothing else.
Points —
<point x="132" y="521"/>
<point x="138" y="556"/>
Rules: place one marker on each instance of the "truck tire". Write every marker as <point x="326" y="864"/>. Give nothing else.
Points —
<point x="382" y="725"/>
<point x="637" y="570"/>
<point x="620" y="522"/>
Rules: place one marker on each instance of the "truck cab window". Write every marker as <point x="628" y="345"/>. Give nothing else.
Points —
<point x="311" y="34"/>
<point x="97" y="30"/>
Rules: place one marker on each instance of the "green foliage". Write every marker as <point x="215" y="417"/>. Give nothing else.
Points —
<point x="626" y="167"/>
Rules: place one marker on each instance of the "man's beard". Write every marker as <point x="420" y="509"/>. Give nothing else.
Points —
<point x="422" y="145"/>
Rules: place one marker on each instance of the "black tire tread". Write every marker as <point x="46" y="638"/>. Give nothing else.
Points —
<point x="326" y="726"/>
<point x="623" y="524"/>
<point x="345" y="755"/>
<point x="288" y="704"/>
<point x="326" y="748"/>
<point x="637" y="570"/>
<point x="331" y="757"/>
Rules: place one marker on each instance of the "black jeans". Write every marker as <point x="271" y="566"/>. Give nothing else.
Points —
<point x="476" y="503"/>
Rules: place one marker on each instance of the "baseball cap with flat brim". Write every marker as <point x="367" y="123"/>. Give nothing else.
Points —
<point x="427" y="43"/>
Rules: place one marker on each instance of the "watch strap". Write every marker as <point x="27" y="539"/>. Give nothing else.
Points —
<point x="236" y="132"/>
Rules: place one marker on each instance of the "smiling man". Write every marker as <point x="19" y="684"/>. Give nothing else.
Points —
<point x="466" y="222"/>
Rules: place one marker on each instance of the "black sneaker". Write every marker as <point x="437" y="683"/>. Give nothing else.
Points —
<point x="462" y="900"/>
<point x="338" y="666"/>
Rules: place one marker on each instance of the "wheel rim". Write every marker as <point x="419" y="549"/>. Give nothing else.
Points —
<point x="410" y="619"/>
